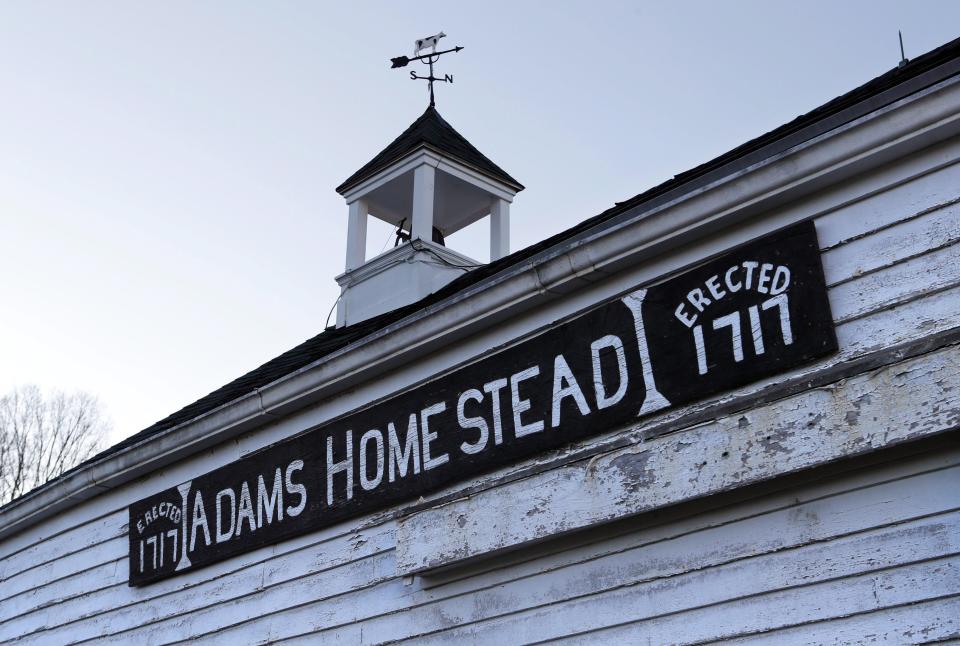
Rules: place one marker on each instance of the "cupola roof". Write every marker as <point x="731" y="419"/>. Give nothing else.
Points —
<point x="430" y="130"/>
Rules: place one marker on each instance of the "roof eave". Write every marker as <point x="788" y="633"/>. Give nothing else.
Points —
<point x="353" y="182"/>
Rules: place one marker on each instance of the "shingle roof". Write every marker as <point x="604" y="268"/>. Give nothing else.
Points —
<point x="430" y="130"/>
<point x="918" y="74"/>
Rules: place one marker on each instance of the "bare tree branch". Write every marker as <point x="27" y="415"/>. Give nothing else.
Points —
<point x="43" y="436"/>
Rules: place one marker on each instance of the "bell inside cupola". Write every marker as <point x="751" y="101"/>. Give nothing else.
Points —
<point x="428" y="183"/>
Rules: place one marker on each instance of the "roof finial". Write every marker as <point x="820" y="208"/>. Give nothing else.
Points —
<point x="427" y="59"/>
<point x="903" y="57"/>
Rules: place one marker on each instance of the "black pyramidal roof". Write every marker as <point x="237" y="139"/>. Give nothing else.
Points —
<point x="430" y="130"/>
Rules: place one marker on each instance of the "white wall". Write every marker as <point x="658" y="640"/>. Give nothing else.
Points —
<point x="869" y="551"/>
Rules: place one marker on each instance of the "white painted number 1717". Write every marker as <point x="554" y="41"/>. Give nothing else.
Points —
<point x="733" y="322"/>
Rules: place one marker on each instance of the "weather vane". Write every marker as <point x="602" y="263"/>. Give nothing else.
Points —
<point x="420" y="45"/>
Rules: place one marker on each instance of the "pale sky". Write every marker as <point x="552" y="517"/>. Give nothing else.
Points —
<point x="168" y="219"/>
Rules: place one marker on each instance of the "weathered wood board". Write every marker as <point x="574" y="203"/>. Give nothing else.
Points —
<point x="756" y="311"/>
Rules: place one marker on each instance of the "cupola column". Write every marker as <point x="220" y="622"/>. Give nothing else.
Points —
<point x="424" y="178"/>
<point x="357" y="234"/>
<point x="499" y="229"/>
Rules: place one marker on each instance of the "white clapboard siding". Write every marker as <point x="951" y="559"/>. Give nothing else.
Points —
<point x="825" y="601"/>
<point x="925" y="539"/>
<point x="77" y="537"/>
<point x="928" y="622"/>
<point x="16" y="589"/>
<point x="891" y="260"/>
<point x="718" y="560"/>
<point x="83" y="527"/>
<point x="873" y="497"/>
<point x="773" y="525"/>
<point x="886" y="287"/>
<point x="721" y="603"/>
<point x="58" y="568"/>
<point x="32" y="608"/>
<point x="906" y="239"/>
<point x="898" y="203"/>
<point x="100" y="611"/>
<point x="883" y="505"/>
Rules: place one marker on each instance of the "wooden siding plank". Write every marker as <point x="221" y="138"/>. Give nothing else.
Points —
<point x="328" y="594"/>
<point x="888" y="247"/>
<point x="86" y="534"/>
<point x="46" y="596"/>
<point x="921" y="275"/>
<point x="886" y="208"/>
<point x="68" y="564"/>
<point x="928" y="622"/>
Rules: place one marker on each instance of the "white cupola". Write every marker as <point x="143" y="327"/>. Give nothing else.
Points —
<point x="429" y="183"/>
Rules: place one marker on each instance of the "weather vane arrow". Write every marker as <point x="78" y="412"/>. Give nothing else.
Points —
<point x="427" y="59"/>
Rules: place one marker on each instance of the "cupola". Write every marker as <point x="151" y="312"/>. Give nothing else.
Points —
<point x="429" y="183"/>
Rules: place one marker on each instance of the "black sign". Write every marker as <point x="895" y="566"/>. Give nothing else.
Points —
<point x="756" y="311"/>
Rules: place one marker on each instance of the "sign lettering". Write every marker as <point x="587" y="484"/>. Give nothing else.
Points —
<point x="751" y="313"/>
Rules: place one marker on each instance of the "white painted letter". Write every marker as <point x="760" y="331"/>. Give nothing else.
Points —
<point x="763" y="283"/>
<point x="199" y="520"/>
<point x="523" y="405"/>
<point x="493" y="388"/>
<point x="425" y="414"/>
<point x="245" y="510"/>
<point x="781" y="303"/>
<point x="781" y="280"/>
<point x="750" y="265"/>
<point x="681" y="314"/>
<point x="755" y="330"/>
<point x="701" y="350"/>
<point x="697" y="299"/>
<point x="295" y="488"/>
<point x="609" y="341"/>
<point x="733" y="322"/>
<point x="472" y="422"/>
<point x="401" y="457"/>
<point x="370" y="484"/>
<point x="732" y="286"/>
<point x="561" y="374"/>
<point x="225" y="535"/>
<point x="271" y="503"/>
<point x="345" y="465"/>
<point x="714" y="288"/>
